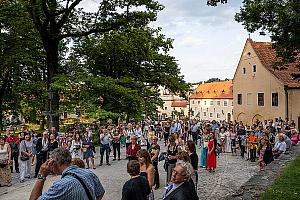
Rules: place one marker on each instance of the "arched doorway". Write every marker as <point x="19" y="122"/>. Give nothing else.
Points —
<point x="257" y="117"/>
<point x="241" y="117"/>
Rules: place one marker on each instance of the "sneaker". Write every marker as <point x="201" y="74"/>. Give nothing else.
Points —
<point x="100" y="164"/>
<point x="114" y="159"/>
<point x="119" y="158"/>
<point x="108" y="164"/>
<point x="22" y="181"/>
<point x="26" y="176"/>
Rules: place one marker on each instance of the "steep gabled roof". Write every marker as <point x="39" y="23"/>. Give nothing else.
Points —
<point x="179" y="104"/>
<point x="267" y="55"/>
<point x="214" y="90"/>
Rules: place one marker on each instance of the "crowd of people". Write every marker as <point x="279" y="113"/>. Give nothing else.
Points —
<point x="262" y="142"/>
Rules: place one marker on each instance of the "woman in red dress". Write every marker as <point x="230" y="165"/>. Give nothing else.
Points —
<point x="211" y="162"/>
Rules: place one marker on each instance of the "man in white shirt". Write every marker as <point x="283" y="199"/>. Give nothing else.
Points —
<point x="280" y="146"/>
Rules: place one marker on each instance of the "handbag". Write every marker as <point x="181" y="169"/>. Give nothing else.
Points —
<point x="23" y="157"/>
<point x="3" y="163"/>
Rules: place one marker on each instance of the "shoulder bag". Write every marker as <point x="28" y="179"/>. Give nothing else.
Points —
<point x="23" y="157"/>
<point x="81" y="182"/>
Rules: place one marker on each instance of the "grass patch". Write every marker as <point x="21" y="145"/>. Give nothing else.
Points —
<point x="287" y="185"/>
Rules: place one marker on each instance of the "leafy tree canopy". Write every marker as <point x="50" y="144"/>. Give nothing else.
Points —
<point x="280" y="18"/>
<point x="121" y="72"/>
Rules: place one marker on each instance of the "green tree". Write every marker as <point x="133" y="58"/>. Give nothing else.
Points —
<point x="58" y="21"/>
<point x="126" y="69"/>
<point x="19" y="57"/>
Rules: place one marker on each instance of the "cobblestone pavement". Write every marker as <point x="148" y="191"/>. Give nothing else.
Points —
<point x="231" y="173"/>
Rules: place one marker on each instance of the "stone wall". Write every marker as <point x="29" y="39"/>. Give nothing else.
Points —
<point x="261" y="181"/>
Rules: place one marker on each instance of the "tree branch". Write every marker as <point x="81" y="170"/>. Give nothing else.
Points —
<point x="35" y="16"/>
<point x="67" y="12"/>
<point x="89" y="32"/>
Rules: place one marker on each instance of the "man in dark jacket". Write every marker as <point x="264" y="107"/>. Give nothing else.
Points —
<point x="41" y="151"/>
<point x="181" y="187"/>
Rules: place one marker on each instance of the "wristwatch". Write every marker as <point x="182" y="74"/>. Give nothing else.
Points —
<point x="41" y="177"/>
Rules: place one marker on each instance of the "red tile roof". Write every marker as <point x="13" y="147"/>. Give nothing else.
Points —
<point x="267" y="55"/>
<point x="214" y="90"/>
<point x="179" y="104"/>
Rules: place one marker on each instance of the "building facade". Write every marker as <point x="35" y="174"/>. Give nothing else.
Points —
<point x="212" y="101"/>
<point x="261" y="90"/>
<point x="174" y="107"/>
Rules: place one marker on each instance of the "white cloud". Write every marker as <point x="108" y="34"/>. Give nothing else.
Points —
<point x="208" y="42"/>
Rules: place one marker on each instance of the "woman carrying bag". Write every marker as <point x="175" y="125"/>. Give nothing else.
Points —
<point x="5" y="172"/>
<point x="25" y="158"/>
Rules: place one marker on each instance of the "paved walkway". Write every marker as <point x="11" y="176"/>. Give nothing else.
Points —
<point x="232" y="172"/>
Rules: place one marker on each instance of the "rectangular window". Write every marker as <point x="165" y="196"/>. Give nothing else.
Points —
<point x="260" y="99"/>
<point x="193" y="102"/>
<point x="275" y="99"/>
<point x="254" y="68"/>
<point x="239" y="99"/>
<point x="244" y="70"/>
<point x="166" y="108"/>
<point x="204" y="114"/>
<point x="204" y="102"/>
<point x="210" y="114"/>
<point x="211" y="103"/>
<point x="249" y="99"/>
<point x="218" y="115"/>
<point x="225" y="103"/>
<point x="198" y="102"/>
<point x="218" y="103"/>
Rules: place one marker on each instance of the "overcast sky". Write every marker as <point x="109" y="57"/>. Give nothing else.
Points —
<point x="207" y="40"/>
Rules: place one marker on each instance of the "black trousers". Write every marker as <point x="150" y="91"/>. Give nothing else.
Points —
<point x="195" y="137"/>
<point x="156" y="176"/>
<point x="104" y="149"/>
<point x="40" y="159"/>
<point x="166" y="136"/>
<point x="252" y="154"/>
<point x="15" y="157"/>
<point x="116" y="148"/>
<point x="243" y="150"/>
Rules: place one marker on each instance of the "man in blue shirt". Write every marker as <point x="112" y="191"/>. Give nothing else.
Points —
<point x="76" y="183"/>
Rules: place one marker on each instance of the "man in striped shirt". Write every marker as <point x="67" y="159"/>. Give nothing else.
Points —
<point x="76" y="183"/>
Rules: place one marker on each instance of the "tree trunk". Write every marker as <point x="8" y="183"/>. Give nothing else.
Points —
<point x="52" y="70"/>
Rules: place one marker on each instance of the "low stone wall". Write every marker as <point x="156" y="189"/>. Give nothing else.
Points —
<point x="261" y="181"/>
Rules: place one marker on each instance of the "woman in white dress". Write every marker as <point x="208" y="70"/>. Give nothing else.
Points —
<point x="222" y="139"/>
<point x="76" y="147"/>
<point x="227" y="142"/>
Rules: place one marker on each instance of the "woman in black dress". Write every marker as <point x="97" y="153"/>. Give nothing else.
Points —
<point x="191" y="148"/>
<point x="137" y="188"/>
